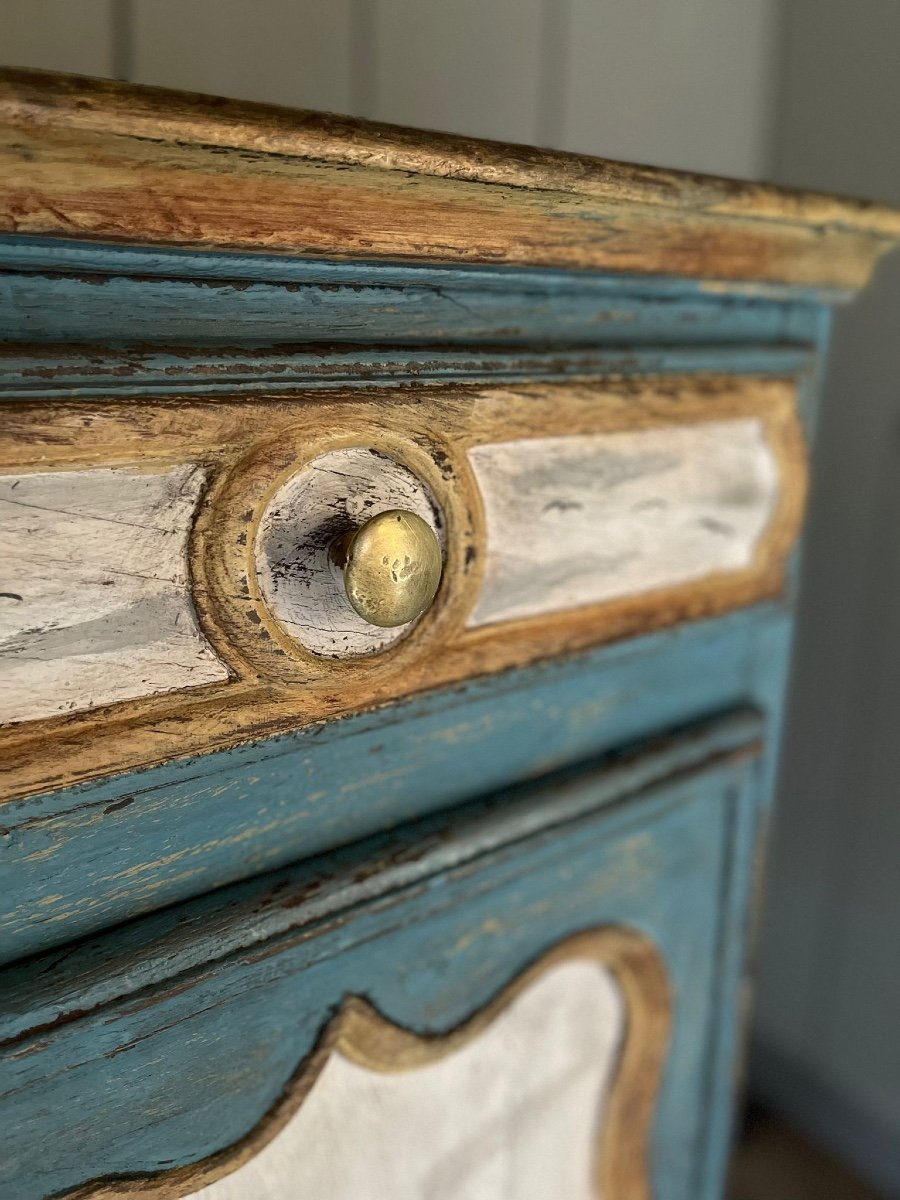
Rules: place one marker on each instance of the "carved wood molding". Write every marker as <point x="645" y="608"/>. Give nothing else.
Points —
<point x="112" y="161"/>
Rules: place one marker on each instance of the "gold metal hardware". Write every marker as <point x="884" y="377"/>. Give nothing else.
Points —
<point x="392" y="567"/>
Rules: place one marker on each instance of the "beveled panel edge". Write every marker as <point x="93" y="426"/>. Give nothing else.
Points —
<point x="276" y="686"/>
<point x="113" y="161"/>
<point x="315" y="788"/>
<point x="622" y="1164"/>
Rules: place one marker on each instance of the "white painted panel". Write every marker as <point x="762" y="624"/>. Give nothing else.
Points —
<point x="467" y="66"/>
<point x="95" y="603"/>
<point x="513" y="1115"/>
<point x="57" y="35"/>
<point x="583" y="519"/>
<point x="293" y="52"/>
<point x="679" y="83"/>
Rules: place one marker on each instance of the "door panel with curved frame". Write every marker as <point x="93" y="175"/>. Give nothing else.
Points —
<point x="528" y="995"/>
<point x="547" y="1090"/>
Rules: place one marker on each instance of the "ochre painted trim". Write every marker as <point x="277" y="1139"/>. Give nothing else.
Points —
<point x="117" y="162"/>
<point x="250" y="446"/>
<point x="361" y="1033"/>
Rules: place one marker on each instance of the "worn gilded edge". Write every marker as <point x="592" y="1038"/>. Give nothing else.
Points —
<point x="362" y="1034"/>
<point x="112" y="106"/>
<point x="277" y="686"/>
<point x="82" y="155"/>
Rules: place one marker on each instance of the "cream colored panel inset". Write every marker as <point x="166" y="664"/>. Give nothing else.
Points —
<point x="277" y="51"/>
<point x="95" y="603"/>
<point x="515" y="1114"/>
<point x="580" y="520"/>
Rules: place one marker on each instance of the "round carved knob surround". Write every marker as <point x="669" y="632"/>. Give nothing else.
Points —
<point x="392" y="567"/>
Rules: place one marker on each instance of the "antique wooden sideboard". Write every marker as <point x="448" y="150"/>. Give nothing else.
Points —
<point x="398" y="546"/>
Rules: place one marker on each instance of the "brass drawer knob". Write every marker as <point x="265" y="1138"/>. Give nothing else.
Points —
<point x="392" y="567"/>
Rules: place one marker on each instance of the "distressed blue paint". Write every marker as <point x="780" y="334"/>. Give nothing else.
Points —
<point x="163" y="945"/>
<point x="69" y="375"/>
<point x="198" y="1013"/>
<point x="126" y="296"/>
<point x="62" y="255"/>
<point x="190" y="1068"/>
<point x="79" y="859"/>
<point x="61" y="308"/>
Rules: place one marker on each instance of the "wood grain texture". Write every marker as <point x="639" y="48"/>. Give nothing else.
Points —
<point x="178" y="1071"/>
<point x="550" y="1085"/>
<point x="117" y="964"/>
<point x="108" y="161"/>
<point x="252" y="450"/>
<point x="95" y="604"/>
<point x="253" y="301"/>
<point x="581" y="520"/>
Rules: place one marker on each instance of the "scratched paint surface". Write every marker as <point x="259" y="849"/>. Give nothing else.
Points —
<point x="170" y="1035"/>
<point x="87" y="856"/>
<point x="96" y="604"/>
<point x="334" y="492"/>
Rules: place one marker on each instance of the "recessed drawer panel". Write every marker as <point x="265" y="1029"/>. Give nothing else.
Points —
<point x="186" y="576"/>
<point x="527" y="998"/>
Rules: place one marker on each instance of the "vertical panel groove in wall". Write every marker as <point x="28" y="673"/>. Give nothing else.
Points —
<point x="550" y="98"/>
<point x="774" y="147"/>
<point x="362" y="58"/>
<point x="122" y="39"/>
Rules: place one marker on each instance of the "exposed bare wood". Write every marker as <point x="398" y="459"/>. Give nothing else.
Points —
<point x="330" y="495"/>
<point x="99" y="159"/>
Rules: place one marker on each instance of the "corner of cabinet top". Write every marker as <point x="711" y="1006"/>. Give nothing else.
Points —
<point x="114" y="162"/>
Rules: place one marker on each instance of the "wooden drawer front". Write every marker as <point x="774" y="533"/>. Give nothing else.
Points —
<point x="171" y="587"/>
<point x="542" y="983"/>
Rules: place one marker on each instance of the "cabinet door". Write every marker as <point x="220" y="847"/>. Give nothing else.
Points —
<point x="529" y="996"/>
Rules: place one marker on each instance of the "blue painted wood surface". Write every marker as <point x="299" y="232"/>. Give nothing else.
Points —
<point x="194" y="1016"/>
<point x="115" y="964"/>
<point x="52" y="254"/>
<point x="189" y="1065"/>
<point x="67" y="373"/>
<point x="79" y="859"/>
<point x="104" y="295"/>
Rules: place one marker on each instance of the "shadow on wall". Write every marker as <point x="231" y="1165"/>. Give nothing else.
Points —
<point x="826" y="1046"/>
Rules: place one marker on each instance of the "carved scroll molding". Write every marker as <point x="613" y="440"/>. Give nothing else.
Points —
<point x="550" y="1089"/>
